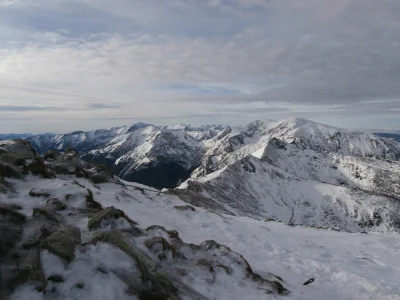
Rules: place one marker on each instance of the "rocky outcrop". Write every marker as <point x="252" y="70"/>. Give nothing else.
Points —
<point x="108" y="216"/>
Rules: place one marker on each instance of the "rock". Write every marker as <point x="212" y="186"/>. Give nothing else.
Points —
<point x="39" y="193"/>
<point x="51" y="155"/>
<point x="108" y="213"/>
<point x="11" y="230"/>
<point x="36" y="230"/>
<point x="19" y="146"/>
<point x="63" y="242"/>
<point x="71" y="150"/>
<point x="56" y="278"/>
<point x="165" y="246"/>
<point x="172" y="233"/>
<point x="46" y="212"/>
<point x="204" y="262"/>
<point x="10" y="234"/>
<point x="12" y="214"/>
<point x="117" y="239"/>
<point x="8" y="170"/>
<point x="30" y="268"/>
<point x="38" y="167"/>
<point x="185" y="207"/>
<point x="90" y="202"/>
<point x="15" y="159"/>
<point x="56" y="204"/>
<point x="80" y="285"/>
<point x="60" y="168"/>
<point x="100" y="178"/>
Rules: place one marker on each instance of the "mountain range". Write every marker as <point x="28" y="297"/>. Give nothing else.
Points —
<point x="294" y="169"/>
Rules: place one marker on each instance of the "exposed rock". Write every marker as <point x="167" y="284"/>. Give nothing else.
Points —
<point x="51" y="155"/>
<point x="61" y="167"/>
<point x="100" y="177"/>
<point x="165" y="246"/>
<point x="46" y="212"/>
<point x="106" y="214"/>
<point x="39" y="193"/>
<point x="10" y="230"/>
<point x="63" y="242"/>
<point x="30" y="268"/>
<point x="56" y="204"/>
<point x="56" y="278"/>
<point x="90" y="202"/>
<point x="172" y="233"/>
<point x="38" y="167"/>
<point x="36" y="230"/>
<point x="12" y="214"/>
<point x="185" y="207"/>
<point x="205" y="263"/>
<point x="15" y="159"/>
<point x="8" y="170"/>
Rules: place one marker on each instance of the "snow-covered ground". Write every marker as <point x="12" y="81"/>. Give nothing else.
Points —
<point x="344" y="265"/>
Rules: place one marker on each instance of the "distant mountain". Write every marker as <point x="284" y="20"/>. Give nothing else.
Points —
<point x="294" y="169"/>
<point x="13" y="136"/>
<point x="393" y="136"/>
<point x="159" y="156"/>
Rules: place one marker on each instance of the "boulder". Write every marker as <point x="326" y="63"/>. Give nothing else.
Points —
<point x="56" y="204"/>
<point x="63" y="242"/>
<point x="51" y="155"/>
<point x="15" y="159"/>
<point x="98" y="178"/>
<point x="163" y="245"/>
<point x="47" y="212"/>
<point x="30" y="269"/>
<point x="12" y="214"/>
<point x="90" y="202"/>
<point x="106" y="214"/>
<point x="38" y="167"/>
<point x="8" y="170"/>
<point x="11" y="230"/>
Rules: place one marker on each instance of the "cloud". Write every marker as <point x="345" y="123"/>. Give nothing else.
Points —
<point x="7" y="2"/>
<point x="5" y="108"/>
<point x="163" y="60"/>
<point x="102" y="106"/>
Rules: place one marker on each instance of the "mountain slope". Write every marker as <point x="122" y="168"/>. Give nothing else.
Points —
<point x="227" y="148"/>
<point x="153" y="155"/>
<point x="172" y="250"/>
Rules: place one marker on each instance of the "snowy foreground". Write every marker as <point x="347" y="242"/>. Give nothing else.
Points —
<point x="344" y="265"/>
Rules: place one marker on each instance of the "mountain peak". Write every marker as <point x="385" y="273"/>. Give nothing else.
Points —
<point x="139" y="125"/>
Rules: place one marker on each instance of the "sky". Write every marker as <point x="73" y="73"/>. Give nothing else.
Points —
<point x="70" y="65"/>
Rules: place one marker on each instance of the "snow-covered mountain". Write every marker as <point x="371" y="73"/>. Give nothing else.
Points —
<point x="160" y="156"/>
<point x="232" y="144"/>
<point x="302" y="171"/>
<point x="323" y="176"/>
<point x="67" y="234"/>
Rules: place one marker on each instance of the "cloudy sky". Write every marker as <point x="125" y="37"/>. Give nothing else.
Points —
<point x="84" y="64"/>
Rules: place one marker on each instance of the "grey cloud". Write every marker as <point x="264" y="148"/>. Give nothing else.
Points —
<point x="102" y="106"/>
<point x="305" y="58"/>
<point x="7" y="108"/>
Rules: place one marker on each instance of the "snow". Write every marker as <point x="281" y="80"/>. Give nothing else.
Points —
<point x="344" y="265"/>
